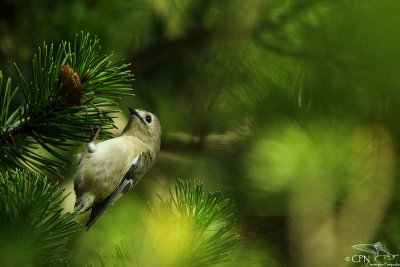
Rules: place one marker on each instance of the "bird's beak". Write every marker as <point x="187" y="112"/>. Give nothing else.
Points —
<point x="134" y="112"/>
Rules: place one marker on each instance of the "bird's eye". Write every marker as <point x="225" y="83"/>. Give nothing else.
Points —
<point x="148" y="118"/>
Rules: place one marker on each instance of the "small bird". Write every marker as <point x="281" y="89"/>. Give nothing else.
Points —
<point x="108" y="169"/>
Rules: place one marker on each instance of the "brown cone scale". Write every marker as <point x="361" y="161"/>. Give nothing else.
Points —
<point x="70" y="85"/>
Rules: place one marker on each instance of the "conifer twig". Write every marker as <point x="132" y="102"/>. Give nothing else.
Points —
<point x="62" y="103"/>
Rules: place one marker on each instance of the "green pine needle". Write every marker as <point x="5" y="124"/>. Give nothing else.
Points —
<point x="202" y="227"/>
<point x="44" y="120"/>
<point x="124" y="255"/>
<point x="33" y="228"/>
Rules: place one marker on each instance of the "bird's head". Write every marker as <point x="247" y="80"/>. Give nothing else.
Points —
<point x="145" y="126"/>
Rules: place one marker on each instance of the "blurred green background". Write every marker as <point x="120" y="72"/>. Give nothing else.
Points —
<point x="289" y="107"/>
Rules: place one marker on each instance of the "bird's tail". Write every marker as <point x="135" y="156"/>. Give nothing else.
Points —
<point x="84" y="203"/>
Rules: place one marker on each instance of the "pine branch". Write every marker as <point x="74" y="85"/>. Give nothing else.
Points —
<point x="196" y="227"/>
<point x="65" y="99"/>
<point x="32" y="226"/>
<point x="187" y="229"/>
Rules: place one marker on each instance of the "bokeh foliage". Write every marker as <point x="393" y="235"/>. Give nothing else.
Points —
<point x="291" y="107"/>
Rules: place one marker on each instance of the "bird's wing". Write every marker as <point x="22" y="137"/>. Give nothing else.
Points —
<point x="127" y="182"/>
<point x="366" y="248"/>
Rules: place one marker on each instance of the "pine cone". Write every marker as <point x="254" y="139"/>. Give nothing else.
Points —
<point x="72" y="85"/>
